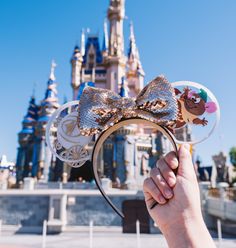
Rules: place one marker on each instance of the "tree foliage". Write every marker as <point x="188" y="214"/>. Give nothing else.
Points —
<point x="232" y="155"/>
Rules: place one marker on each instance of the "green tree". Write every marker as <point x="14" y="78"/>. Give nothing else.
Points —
<point x="232" y="155"/>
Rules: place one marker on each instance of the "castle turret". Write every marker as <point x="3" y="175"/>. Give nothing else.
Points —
<point x="115" y="15"/>
<point x="50" y="102"/>
<point x="135" y="73"/>
<point x="76" y="63"/>
<point x="26" y="139"/>
<point x="116" y="60"/>
<point x="42" y="157"/>
<point x="30" y="119"/>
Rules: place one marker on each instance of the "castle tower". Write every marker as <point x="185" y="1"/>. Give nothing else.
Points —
<point x="116" y="60"/>
<point x="42" y="157"/>
<point x="135" y="74"/>
<point x="76" y="63"/>
<point x="26" y="139"/>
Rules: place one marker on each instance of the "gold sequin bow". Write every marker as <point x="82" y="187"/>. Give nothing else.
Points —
<point x="100" y="108"/>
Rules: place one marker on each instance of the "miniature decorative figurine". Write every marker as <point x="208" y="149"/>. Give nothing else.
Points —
<point x="192" y="105"/>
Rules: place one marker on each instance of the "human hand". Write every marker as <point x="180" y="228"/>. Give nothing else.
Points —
<point x="178" y="214"/>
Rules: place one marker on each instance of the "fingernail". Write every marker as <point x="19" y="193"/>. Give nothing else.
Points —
<point x="174" y="163"/>
<point x="162" y="199"/>
<point x="171" y="181"/>
<point x="175" y="160"/>
<point x="168" y="193"/>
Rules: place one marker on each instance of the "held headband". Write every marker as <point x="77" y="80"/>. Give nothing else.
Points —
<point x="168" y="108"/>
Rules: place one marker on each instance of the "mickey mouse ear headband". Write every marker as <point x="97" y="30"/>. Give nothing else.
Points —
<point x="175" y="110"/>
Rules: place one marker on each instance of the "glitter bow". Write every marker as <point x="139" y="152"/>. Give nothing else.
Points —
<point x="101" y="108"/>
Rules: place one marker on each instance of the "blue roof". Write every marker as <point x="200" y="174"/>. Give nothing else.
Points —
<point x="123" y="91"/>
<point x="50" y="101"/>
<point x="28" y="120"/>
<point x="50" y="94"/>
<point x="95" y="42"/>
<point x="44" y="118"/>
<point x="27" y="130"/>
<point x="30" y="117"/>
<point x="50" y="91"/>
<point x="32" y="110"/>
<point x="76" y="50"/>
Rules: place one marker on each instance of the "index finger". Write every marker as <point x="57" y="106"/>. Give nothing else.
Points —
<point x="172" y="160"/>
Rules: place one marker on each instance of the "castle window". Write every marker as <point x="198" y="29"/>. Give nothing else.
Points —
<point x="91" y="57"/>
<point x="91" y="62"/>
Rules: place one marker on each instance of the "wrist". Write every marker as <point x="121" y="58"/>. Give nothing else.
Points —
<point x="184" y="221"/>
<point x="188" y="233"/>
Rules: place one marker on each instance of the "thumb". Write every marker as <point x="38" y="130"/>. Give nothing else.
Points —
<point x="186" y="168"/>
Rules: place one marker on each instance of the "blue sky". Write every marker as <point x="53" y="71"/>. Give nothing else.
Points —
<point x="184" y="40"/>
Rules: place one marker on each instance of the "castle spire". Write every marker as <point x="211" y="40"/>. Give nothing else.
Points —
<point x="116" y="60"/>
<point x="52" y="75"/>
<point x="134" y="62"/>
<point x="131" y="29"/>
<point x="135" y="73"/>
<point x="50" y="101"/>
<point x="26" y="139"/>
<point x="105" y="37"/>
<point x="42" y="156"/>
<point x="30" y="118"/>
<point x="115" y="15"/>
<point x="82" y="43"/>
<point x="132" y="52"/>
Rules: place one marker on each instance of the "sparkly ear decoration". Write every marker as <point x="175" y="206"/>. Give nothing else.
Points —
<point x="101" y="108"/>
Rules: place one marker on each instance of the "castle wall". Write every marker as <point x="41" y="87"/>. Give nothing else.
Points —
<point x="94" y="208"/>
<point x="27" y="209"/>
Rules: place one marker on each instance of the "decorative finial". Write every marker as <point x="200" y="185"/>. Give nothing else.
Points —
<point x="82" y="43"/>
<point x="131" y="28"/>
<point x="52" y="75"/>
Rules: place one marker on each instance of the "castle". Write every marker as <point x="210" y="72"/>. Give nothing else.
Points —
<point x="126" y="155"/>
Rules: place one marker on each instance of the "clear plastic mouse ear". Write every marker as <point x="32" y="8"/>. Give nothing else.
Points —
<point x="199" y="112"/>
<point x="63" y="136"/>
